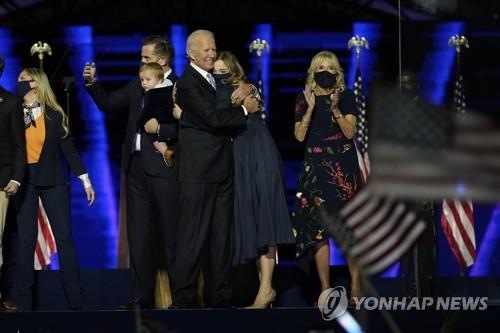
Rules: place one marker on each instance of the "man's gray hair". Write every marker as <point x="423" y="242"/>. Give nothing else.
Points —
<point x="191" y="40"/>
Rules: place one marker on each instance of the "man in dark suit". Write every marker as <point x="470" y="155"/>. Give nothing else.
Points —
<point x="151" y="187"/>
<point x="419" y="266"/>
<point x="206" y="184"/>
<point x="12" y="162"/>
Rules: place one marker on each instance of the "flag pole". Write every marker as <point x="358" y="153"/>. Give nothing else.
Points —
<point x="458" y="42"/>
<point x="361" y="138"/>
<point x="41" y="49"/>
<point x="259" y="46"/>
<point x="358" y="42"/>
<point x="44" y="259"/>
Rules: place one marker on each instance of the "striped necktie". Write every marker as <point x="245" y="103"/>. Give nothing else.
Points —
<point x="211" y="80"/>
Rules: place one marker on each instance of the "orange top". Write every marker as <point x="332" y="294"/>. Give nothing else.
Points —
<point x="35" y="138"/>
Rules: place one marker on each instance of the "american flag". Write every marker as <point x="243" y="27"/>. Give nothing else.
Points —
<point x="45" y="243"/>
<point x="375" y="231"/>
<point x="457" y="218"/>
<point x="423" y="152"/>
<point x="362" y="127"/>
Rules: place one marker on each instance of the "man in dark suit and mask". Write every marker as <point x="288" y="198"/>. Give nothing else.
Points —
<point x="420" y="265"/>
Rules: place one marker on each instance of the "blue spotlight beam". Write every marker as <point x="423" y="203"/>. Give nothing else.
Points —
<point x="178" y="36"/>
<point x="95" y="227"/>
<point x="438" y="63"/>
<point x="12" y="65"/>
<point x="372" y="32"/>
<point x="485" y="253"/>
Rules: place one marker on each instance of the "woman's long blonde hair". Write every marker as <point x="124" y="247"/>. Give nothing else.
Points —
<point x="234" y="66"/>
<point x="317" y="60"/>
<point x="46" y="96"/>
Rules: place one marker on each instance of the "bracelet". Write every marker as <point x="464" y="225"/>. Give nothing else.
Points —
<point x="305" y="123"/>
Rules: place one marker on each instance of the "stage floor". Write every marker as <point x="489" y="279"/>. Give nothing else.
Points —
<point x="106" y="290"/>
<point x="242" y="320"/>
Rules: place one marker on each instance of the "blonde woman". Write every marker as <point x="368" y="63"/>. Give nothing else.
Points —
<point x="47" y="138"/>
<point x="261" y="214"/>
<point x="325" y="118"/>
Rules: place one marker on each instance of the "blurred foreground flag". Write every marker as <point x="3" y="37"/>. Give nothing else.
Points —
<point x="374" y="231"/>
<point x="420" y="151"/>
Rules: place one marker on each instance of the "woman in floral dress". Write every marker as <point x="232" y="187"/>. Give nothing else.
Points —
<point x="325" y="117"/>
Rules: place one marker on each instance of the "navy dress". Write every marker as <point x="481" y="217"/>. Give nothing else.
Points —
<point x="330" y="172"/>
<point x="260" y="207"/>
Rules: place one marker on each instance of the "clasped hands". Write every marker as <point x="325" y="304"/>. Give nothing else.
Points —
<point x="334" y="108"/>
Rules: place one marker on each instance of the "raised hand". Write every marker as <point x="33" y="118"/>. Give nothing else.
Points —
<point x="334" y="98"/>
<point x="89" y="72"/>
<point x="310" y="98"/>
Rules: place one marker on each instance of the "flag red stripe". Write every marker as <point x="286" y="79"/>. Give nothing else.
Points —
<point x="451" y="240"/>
<point x="47" y="234"/>
<point x="460" y="225"/>
<point x="40" y="256"/>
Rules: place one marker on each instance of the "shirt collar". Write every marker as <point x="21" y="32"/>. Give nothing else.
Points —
<point x="200" y="70"/>
<point x="167" y="73"/>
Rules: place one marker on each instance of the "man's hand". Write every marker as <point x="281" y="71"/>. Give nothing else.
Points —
<point x="89" y="72"/>
<point x="11" y="188"/>
<point x="251" y="104"/>
<point x="151" y="126"/>
<point x="89" y="191"/>
<point x="239" y="95"/>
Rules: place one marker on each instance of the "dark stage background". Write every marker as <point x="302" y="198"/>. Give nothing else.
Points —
<point x="110" y="33"/>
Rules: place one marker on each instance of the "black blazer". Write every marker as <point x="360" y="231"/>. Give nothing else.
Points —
<point x="130" y="97"/>
<point x="204" y="134"/>
<point x="12" y="139"/>
<point x="50" y="170"/>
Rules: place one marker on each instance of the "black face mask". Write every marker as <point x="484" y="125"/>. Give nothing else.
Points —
<point x="325" y="79"/>
<point x="22" y="88"/>
<point x="220" y="77"/>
